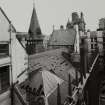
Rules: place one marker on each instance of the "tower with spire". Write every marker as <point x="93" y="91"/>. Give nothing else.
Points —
<point x="35" y="40"/>
<point x="82" y="23"/>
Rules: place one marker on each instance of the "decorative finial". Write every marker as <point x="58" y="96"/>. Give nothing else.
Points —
<point x="81" y="14"/>
<point x="53" y="27"/>
<point x="33" y="3"/>
<point x="68" y="20"/>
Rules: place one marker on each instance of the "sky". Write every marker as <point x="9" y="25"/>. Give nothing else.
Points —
<point x="52" y="12"/>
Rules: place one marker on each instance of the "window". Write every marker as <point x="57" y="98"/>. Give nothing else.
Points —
<point x="92" y="47"/>
<point x="95" y="45"/>
<point x="4" y="78"/>
<point x="4" y="49"/>
<point x="91" y="39"/>
<point x="103" y="45"/>
<point x="95" y="39"/>
<point x="104" y="39"/>
<point x="103" y="42"/>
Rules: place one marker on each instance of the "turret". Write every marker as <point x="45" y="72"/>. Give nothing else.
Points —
<point x="35" y="39"/>
<point x="82" y="23"/>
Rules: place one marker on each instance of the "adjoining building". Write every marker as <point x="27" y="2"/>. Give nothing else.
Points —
<point x="5" y="59"/>
<point x="101" y="35"/>
<point x="102" y="23"/>
<point x="12" y="59"/>
<point x="62" y="38"/>
<point x="92" y="41"/>
<point x="69" y="37"/>
<point x="96" y="38"/>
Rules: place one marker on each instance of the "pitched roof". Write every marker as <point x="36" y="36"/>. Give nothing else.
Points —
<point x="62" y="37"/>
<point x="34" y="24"/>
<point x="49" y="83"/>
<point x="52" y="61"/>
<point x="48" y="69"/>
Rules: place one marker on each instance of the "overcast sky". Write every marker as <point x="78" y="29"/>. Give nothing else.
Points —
<point x="52" y="12"/>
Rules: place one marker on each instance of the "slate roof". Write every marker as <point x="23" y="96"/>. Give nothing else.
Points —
<point x="62" y="37"/>
<point x="48" y="69"/>
<point x="52" y="61"/>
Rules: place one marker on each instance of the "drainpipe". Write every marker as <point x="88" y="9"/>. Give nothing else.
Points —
<point x="11" y="71"/>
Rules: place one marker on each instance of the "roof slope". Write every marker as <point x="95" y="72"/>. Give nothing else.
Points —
<point x="47" y="69"/>
<point x="52" y="61"/>
<point x="63" y="37"/>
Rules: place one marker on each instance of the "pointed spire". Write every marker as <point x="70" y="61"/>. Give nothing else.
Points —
<point x="68" y="21"/>
<point x="82" y="23"/>
<point x="53" y="28"/>
<point x="33" y="3"/>
<point x="34" y="28"/>
<point x="69" y="24"/>
<point x="82" y="17"/>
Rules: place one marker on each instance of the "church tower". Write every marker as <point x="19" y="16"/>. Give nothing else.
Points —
<point x="35" y="39"/>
